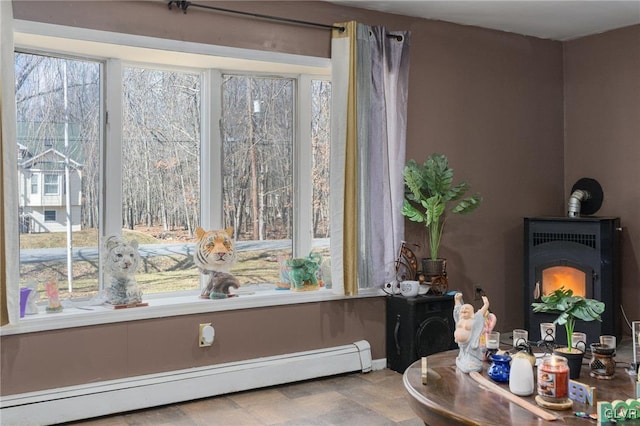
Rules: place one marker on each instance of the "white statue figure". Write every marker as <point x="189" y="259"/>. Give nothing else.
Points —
<point x="32" y="299"/>
<point x="121" y="259"/>
<point x="469" y="326"/>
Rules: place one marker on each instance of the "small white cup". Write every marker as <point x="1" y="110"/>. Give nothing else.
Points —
<point x="608" y="341"/>
<point x="410" y="288"/>
<point x="493" y="340"/>
<point x="547" y="332"/>
<point x="520" y="336"/>
<point x="579" y="341"/>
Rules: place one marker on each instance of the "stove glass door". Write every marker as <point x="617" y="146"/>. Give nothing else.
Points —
<point x="555" y="277"/>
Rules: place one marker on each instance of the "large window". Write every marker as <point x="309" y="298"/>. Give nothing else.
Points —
<point x="160" y="172"/>
<point x="258" y="142"/>
<point x="272" y="148"/>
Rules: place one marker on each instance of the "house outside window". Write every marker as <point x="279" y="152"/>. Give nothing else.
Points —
<point x="166" y="150"/>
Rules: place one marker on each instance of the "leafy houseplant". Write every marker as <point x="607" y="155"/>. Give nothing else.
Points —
<point x="570" y="308"/>
<point x="428" y="190"/>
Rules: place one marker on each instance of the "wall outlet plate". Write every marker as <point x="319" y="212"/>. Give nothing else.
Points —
<point x="206" y="334"/>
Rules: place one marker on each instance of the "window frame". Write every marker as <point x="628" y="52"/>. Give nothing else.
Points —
<point x="33" y="37"/>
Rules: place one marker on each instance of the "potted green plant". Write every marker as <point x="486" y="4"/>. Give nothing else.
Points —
<point x="570" y="307"/>
<point x="430" y="193"/>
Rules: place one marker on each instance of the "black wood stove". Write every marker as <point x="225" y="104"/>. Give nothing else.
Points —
<point x="578" y="253"/>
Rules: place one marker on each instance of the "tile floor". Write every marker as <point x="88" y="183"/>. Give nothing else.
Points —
<point x="375" y="398"/>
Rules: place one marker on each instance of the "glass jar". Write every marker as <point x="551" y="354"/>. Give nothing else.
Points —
<point x="553" y="379"/>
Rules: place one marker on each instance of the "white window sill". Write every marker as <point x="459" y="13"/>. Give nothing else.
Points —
<point x="159" y="307"/>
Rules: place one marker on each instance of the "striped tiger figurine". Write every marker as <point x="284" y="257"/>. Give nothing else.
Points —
<point x="214" y="255"/>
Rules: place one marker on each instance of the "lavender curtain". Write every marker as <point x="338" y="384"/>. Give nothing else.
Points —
<point x="370" y="87"/>
<point x="381" y="183"/>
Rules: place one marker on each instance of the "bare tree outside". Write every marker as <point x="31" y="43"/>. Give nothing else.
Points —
<point x="258" y="156"/>
<point x="161" y="166"/>
<point x="161" y="149"/>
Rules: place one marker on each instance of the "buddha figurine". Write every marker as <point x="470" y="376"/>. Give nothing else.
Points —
<point x="469" y="326"/>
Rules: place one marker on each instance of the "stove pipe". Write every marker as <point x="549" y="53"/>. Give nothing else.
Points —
<point x="575" y="202"/>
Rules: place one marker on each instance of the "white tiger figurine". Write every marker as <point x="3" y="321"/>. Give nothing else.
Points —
<point x="214" y="255"/>
<point x="121" y="259"/>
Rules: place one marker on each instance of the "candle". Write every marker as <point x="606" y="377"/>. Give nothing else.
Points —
<point x="492" y="340"/>
<point x="548" y="331"/>
<point x="553" y="378"/>
<point x="520" y="337"/>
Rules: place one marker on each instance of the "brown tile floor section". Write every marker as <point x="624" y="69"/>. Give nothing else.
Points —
<point x="376" y="398"/>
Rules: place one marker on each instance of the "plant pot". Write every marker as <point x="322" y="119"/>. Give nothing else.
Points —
<point x="435" y="273"/>
<point x="434" y="268"/>
<point x="574" y="360"/>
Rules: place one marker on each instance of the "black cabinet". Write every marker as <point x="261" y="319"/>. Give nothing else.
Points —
<point x="417" y="327"/>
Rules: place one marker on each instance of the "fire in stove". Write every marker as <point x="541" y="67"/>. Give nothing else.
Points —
<point x="570" y="278"/>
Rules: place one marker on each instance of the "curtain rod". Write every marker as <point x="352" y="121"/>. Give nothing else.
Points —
<point x="184" y="5"/>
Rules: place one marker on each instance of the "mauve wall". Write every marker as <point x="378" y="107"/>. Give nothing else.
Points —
<point x="91" y="354"/>
<point x="602" y="140"/>
<point x="491" y="101"/>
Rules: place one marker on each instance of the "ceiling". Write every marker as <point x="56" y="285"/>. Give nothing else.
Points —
<point x="548" y="19"/>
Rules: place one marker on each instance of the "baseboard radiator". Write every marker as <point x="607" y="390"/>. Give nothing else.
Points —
<point x="133" y="393"/>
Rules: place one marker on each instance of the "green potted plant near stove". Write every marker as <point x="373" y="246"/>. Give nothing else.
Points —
<point x="570" y="308"/>
<point x="429" y="195"/>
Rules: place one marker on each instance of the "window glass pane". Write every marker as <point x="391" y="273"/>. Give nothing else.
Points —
<point x="160" y="174"/>
<point x="320" y="141"/>
<point x="257" y="139"/>
<point x="58" y="134"/>
<point x="34" y="184"/>
<point x="50" y="184"/>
